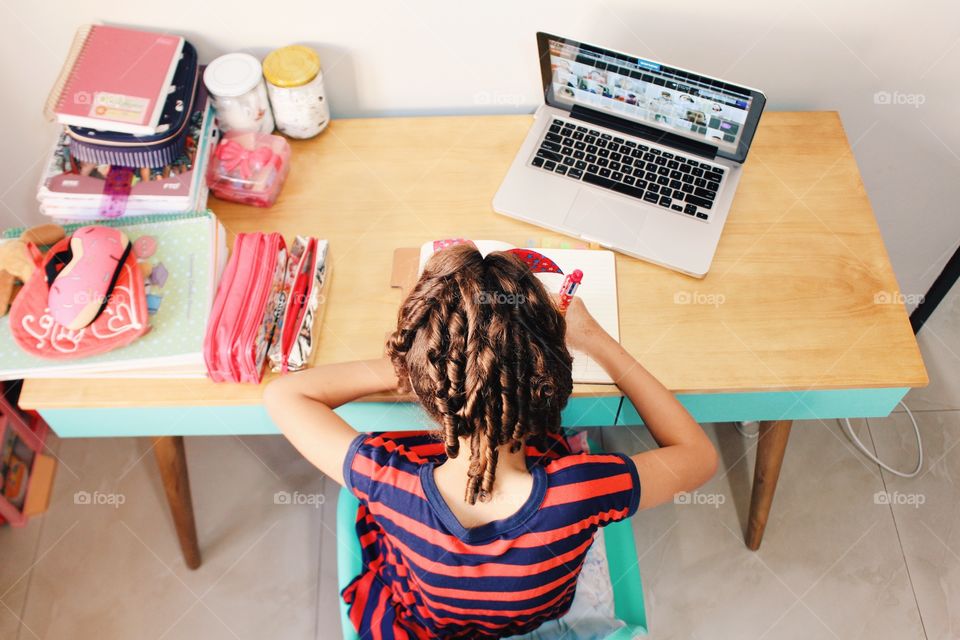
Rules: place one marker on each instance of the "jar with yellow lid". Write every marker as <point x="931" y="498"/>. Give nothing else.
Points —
<point x="295" y="85"/>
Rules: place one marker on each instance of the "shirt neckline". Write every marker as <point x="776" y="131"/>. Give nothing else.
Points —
<point x="490" y="529"/>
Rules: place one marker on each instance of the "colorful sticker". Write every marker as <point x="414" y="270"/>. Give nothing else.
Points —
<point x="537" y="262"/>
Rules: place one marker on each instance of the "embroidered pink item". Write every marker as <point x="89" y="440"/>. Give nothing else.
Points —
<point x="123" y="320"/>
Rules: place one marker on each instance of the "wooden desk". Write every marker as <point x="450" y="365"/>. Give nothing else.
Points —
<point x="794" y="321"/>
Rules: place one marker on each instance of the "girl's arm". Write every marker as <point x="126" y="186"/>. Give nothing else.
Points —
<point x="301" y="404"/>
<point x="686" y="458"/>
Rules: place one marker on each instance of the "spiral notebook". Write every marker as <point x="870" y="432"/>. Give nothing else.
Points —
<point x="598" y="292"/>
<point x="115" y="79"/>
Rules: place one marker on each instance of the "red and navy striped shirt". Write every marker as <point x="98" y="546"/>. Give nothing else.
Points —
<point x="426" y="576"/>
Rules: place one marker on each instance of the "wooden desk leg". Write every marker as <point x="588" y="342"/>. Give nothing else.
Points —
<point x="172" y="461"/>
<point x="771" y="444"/>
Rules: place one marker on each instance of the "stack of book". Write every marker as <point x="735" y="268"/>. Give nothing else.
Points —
<point x="138" y="128"/>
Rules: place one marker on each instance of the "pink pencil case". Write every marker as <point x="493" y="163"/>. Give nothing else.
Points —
<point x="243" y="320"/>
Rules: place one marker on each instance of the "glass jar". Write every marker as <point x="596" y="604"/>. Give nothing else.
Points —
<point x="295" y="85"/>
<point x="235" y="81"/>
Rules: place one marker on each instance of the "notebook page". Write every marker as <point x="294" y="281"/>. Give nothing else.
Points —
<point x="599" y="294"/>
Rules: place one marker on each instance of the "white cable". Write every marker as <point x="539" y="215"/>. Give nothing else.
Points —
<point x="739" y="427"/>
<point x="864" y="451"/>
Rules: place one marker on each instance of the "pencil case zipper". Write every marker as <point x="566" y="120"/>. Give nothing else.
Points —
<point x="228" y="322"/>
<point x="226" y="330"/>
<point x="228" y="281"/>
<point x="256" y="329"/>
<point x="229" y="348"/>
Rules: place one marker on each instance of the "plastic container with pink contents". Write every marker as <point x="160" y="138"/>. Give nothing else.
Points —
<point x="249" y="167"/>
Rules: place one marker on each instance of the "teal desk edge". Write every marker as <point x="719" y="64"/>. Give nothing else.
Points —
<point x="383" y="416"/>
<point x="783" y="405"/>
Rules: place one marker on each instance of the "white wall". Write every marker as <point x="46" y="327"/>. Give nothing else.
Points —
<point x="438" y="57"/>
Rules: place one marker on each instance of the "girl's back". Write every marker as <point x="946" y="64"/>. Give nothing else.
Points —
<point x="498" y="579"/>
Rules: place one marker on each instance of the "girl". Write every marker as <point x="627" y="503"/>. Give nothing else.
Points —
<point x="481" y="530"/>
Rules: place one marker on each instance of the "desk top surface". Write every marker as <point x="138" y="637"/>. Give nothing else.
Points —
<point x="798" y="296"/>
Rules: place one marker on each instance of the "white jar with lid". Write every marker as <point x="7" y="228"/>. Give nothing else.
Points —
<point x="235" y="81"/>
<point x="295" y="85"/>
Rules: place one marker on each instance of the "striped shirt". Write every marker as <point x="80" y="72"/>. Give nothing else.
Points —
<point x="426" y="576"/>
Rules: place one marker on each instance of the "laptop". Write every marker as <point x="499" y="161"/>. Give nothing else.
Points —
<point x="632" y="154"/>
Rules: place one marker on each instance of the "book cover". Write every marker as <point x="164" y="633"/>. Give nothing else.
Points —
<point x="116" y="79"/>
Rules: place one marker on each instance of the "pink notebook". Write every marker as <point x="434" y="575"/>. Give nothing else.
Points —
<point x="115" y="79"/>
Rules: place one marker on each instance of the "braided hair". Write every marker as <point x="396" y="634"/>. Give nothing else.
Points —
<point x="482" y="345"/>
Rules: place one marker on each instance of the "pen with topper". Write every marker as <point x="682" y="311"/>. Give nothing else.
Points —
<point x="569" y="289"/>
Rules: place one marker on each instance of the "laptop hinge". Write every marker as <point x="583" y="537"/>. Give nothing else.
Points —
<point x="644" y="131"/>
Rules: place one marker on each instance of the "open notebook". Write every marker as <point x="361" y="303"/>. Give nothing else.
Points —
<point x="598" y="292"/>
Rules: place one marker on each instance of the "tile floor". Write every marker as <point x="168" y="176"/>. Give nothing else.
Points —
<point x="836" y="563"/>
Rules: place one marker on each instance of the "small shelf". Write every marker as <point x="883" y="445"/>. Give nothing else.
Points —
<point x="23" y="435"/>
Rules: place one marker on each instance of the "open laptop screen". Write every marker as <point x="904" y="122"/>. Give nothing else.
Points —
<point x="694" y="106"/>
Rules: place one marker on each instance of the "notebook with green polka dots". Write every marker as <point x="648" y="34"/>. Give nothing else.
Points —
<point x="181" y="257"/>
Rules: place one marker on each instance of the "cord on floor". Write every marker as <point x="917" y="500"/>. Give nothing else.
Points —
<point x="863" y="449"/>
<point x="848" y="429"/>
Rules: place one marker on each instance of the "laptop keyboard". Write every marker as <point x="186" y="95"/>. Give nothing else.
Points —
<point x="628" y="167"/>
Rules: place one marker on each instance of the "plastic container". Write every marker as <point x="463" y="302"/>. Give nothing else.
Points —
<point x="295" y="85"/>
<point x="249" y="168"/>
<point x="236" y="83"/>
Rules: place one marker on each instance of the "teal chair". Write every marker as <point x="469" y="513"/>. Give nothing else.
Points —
<point x="621" y="552"/>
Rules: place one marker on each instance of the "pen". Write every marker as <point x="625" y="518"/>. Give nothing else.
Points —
<point x="297" y="303"/>
<point x="569" y="288"/>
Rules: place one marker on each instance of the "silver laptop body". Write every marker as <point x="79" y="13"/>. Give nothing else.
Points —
<point x="636" y="156"/>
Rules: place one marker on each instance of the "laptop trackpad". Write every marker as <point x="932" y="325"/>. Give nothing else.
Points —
<point x="605" y="219"/>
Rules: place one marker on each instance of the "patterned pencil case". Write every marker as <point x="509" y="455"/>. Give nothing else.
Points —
<point x="308" y="273"/>
<point x="187" y="94"/>
<point x="246" y="309"/>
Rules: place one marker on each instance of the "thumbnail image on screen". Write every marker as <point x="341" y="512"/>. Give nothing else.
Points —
<point x="697" y="107"/>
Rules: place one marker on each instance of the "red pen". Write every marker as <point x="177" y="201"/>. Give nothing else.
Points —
<point x="297" y="303"/>
<point x="569" y="288"/>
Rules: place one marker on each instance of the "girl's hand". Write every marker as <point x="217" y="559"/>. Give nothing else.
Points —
<point x="583" y="331"/>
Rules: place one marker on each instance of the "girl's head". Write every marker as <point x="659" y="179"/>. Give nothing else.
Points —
<point x="482" y="345"/>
